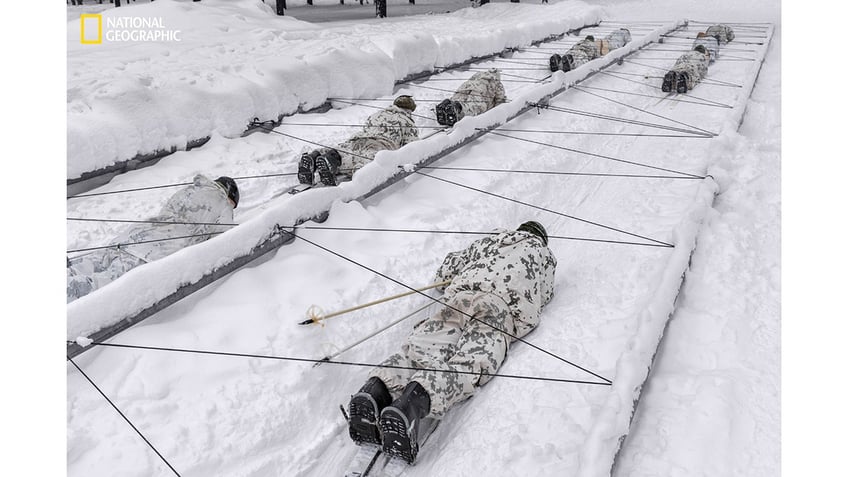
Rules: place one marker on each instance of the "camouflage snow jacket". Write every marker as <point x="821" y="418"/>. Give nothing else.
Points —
<point x="202" y="204"/>
<point x="694" y="63"/>
<point x="613" y="41"/>
<point x="723" y="33"/>
<point x="386" y="130"/>
<point x="583" y="52"/>
<point x="513" y="265"/>
<point x="711" y="45"/>
<point x="480" y="93"/>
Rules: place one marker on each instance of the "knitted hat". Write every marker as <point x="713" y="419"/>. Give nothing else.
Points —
<point x="535" y="228"/>
<point x="405" y="101"/>
<point x="231" y="188"/>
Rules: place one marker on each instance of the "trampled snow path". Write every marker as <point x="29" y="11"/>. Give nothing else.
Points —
<point x="223" y="416"/>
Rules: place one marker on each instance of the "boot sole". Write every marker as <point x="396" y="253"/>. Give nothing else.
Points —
<point x="682" y="88"/>
<point x="396" y="432"/>
<point x="555" y="63"/>
<point x="305" y="168"/>
<point x="363" y="425"/>
<point x="667" y="81"/>
<point x="324" y="173"/>
<point x="445" y="114"/>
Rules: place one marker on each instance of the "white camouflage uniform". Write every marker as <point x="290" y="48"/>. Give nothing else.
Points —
<point x="202" y="204"/>
<point x="389" y="129"/>
<point x="583" y="52"/>
<point x="723" y="32"/>
<point x="502" y="280"/>
<point x="694" y="63"/>
<point x="480" y="93"/>
<point x="710" y="43"/>
<point x="613" y="41"/>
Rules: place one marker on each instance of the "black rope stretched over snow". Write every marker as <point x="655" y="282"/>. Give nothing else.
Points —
<point x="443" y="90"/>
<point x="351" y="363"/>
<point x="676" y="100"/>
<point x="561" y="214"/>
<point x="468" y="315"/>
<point x="650" y="85"/>
<point x="620" y="120"/>
<point x="601" y="156"/>
<point x="532" y="80"/>
<point x="124" y="417"/>
<point x="128" y="244"/>
<point x="694" y="38"/>
<point x="600" y="133"/>
<point x="705" y="81"/>
<point x="579" y="88"/>
<point x="516" y="62"/>
<point x="720" y="58"/>
<point x="165" y="186"/>
<point x="129" y="221"/>
<point x="561" y="173"/>
<point x="459" y="232"/>
<point x="355" y="103"/>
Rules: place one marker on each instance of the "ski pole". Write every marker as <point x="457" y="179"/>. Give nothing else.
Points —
<point x="315" y="315"/>
<point x="349" y="347"/>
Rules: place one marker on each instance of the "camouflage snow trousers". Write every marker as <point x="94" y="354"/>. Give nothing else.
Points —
<point x="358" y="152"/>
<point x="94" y="270"/>
<point x="453" y="341"/>
<point x="694" y="64"/>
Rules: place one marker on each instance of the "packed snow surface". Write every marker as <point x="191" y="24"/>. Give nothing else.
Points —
<point x="237" y="60"/>
<point x="249" y="416"/>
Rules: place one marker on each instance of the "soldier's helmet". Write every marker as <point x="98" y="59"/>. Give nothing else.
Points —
<point x="405" y="101"/>
<point x="535" y="228"/>
<point x="590" y="37"/>
<point x="700" y="48"/>
<point x="231" y="188"/>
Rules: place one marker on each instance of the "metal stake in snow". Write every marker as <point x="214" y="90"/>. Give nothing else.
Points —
<point x="316" y="315"/>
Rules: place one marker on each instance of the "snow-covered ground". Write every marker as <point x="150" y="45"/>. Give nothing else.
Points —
<point x="236" y="60"/>
<point x="712" y="406"/>
<point x="226" y="416"/>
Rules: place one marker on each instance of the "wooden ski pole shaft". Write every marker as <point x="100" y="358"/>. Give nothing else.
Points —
<point x="316" y="319"/>
<point x="349" y="347"/>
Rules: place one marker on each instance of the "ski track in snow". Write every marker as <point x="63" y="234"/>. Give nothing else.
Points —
<point x="251" y="417"/>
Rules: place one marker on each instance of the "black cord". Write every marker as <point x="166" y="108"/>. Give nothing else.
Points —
<point x="592" y="154"/>
<point x="124" y="416"/>
<point x="347" y="363"/>
<point x="546" y="210"/>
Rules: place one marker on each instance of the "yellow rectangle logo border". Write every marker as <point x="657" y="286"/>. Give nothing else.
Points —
<point x="99" y="18"/>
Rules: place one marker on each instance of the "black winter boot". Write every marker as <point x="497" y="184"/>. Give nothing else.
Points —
<point x="682" y="83"/>
<point x="306" y="168"/>
<point x="555" y="62"/>
<point x="327" y="166"/>
<point x="448" y="112"/>
<point x="567" y="63"/>
<point x="400" y="421"/>
<point x="364" y="409"/>
<point x="669" y="82"/>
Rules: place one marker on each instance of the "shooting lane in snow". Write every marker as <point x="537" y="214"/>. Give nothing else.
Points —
<point x="214" y="415"/>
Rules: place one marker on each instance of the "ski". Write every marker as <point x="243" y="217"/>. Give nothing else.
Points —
<point x="300" y="188"/>
<point x="364" y="460"/>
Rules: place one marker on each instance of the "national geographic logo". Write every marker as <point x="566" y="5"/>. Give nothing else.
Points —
<point x="124" y="29"/>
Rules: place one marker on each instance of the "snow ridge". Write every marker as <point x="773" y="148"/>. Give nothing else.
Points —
<point x="125" y="99"/>
<point x="598" y="455"/>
